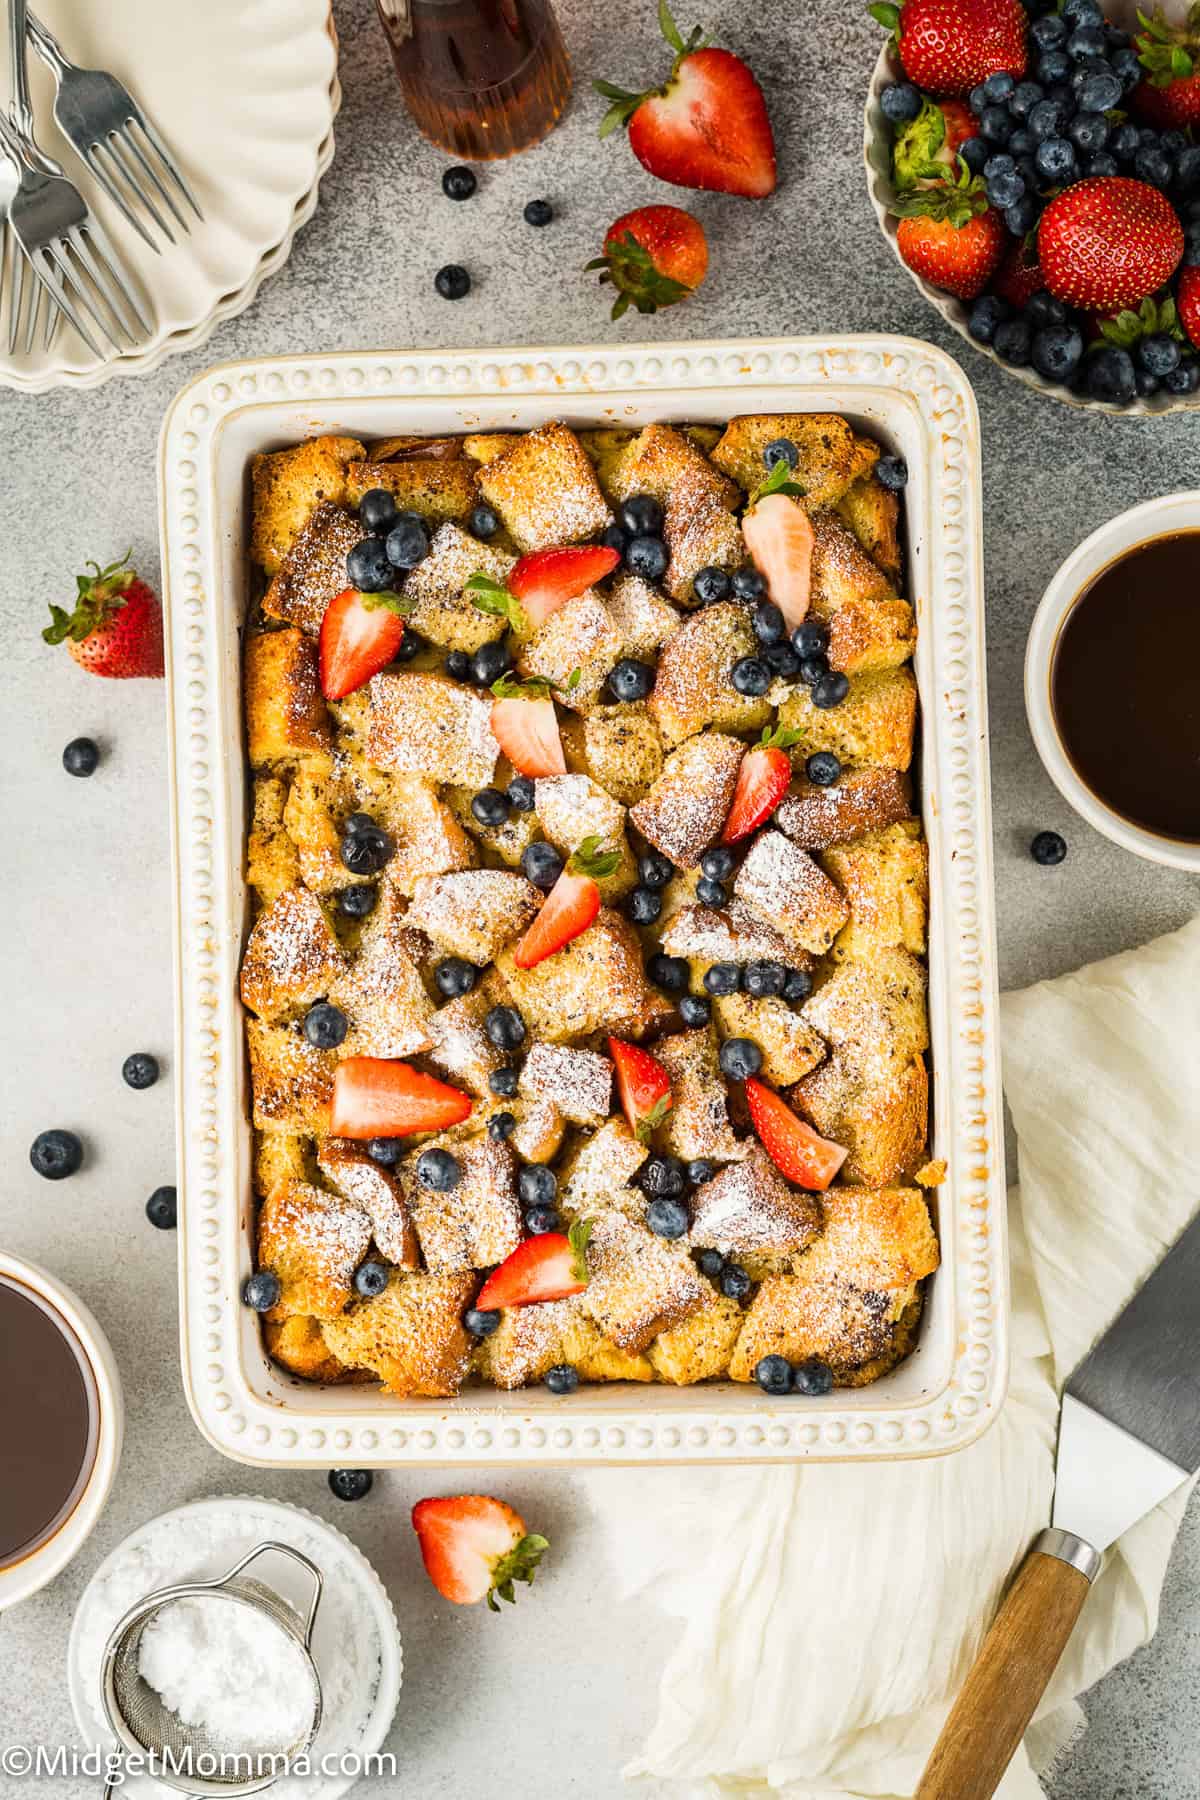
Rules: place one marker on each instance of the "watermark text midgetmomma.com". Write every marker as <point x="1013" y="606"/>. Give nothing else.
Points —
<point x="45" y="1762"/>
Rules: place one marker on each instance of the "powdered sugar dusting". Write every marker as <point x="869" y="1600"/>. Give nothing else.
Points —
<point x="314" y="569"/>
<point x="749" y="1206"/>
<point x="578" y="1081"/>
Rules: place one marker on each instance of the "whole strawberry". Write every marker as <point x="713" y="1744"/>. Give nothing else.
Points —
<point x="115" y="629"/>
<point x="950" y="236"/>
<point x="1187" y="299"/>
<point x="654" y="257"/>
<point x="1169" y="96"/>
<point x="948" y="47"/>
<point x="1108" y="242"/>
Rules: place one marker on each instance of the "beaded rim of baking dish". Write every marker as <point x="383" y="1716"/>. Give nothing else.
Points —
<point x="598" y="1424"/>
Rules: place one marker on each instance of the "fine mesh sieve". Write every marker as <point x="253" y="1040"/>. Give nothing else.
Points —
<point x="145" y="1727"/>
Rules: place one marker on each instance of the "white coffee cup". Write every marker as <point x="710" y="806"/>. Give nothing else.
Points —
<point x="34" y="1568"/>
<point x="1154" y="519"/>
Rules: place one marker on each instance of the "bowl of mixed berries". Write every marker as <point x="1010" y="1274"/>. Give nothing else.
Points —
<point x="1035" y="165"/>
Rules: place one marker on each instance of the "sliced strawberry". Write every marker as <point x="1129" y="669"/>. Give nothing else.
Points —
<point x="644" y="1087"/>
<point x="527" y="732"/>
<point x="546" y="579"/>
<point x="475" y="1547"/>
<point x="764" y="775"/>
<point x="779" y="537"/>
<point x="360" y="634"/>
<point x="376" y="1097"/>
<point x="570" y="906"/>
<point x="794" y="1147"/>
<point x="550" y="1266"/>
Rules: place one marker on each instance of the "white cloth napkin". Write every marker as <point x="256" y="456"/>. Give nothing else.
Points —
<point x="830" y="1613"/>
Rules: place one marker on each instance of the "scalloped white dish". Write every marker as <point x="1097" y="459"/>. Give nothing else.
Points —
<point x="246" y="93"/>
<point x="916" y="401"/>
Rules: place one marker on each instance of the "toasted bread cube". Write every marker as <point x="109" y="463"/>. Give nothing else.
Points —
<point x="685" y="810"/>
<point x="292" y="956"/>
<point x="476" y="1224"/>
<point x="571" y="808"/>
<point x="318" y="802"/>
<point x="604" y="444"/>
<point x="642" y="617"/>
<point x="870" y="626"/>
<point x="872" y="512"/>
<point x="460" y="1046"/>
<point x="411" y="1335"/>
<point x="700" y="1346"/>
<point x="749" y="1207"/>
<point x="697" y="1124"/>
<point x="314" y="570"/>
<point x="298" y="1345"/>
<point x="597" y="982"/>
<point x="578" y="1081"/>
<point x="637" y="1284"/>
<point x="509" y="840"/>
<point x="443" y="611"/>
<point x="700" y="533"/>
<point x="878" y="1239"/>
<point x="874" y="1011"/>
<point x="381" y="992"/>
<point x="881" y="1117"/>
<point x="313" y="1241"/>
<point x="885" y="879"/>
<point x="597" y="1359"/>
<point x="474" y="912"/>
<point x="623" y="750"/>
<point x="289" y="486"/>
<point x="280" y="1156"/>
<point x="486" y="446"/>
<point x="656" y="461"/>
<point x="783" y="884"/>
<point x="790" y="1047"/>
<point x="528" y="1341"/>
<point x="545" y="489"/>
<point x="408" y="448"/>
<point x="539" y="1132"/>
<point x="378" y="1191"/>
<point x="579" y="636"/>
<point x="427" y="838"/>
<point x="429" y="725"/>
<point x="285" y="713"/>
<point x="873" y="724"/>
<point x="437" y="487"/>
<point x="860" y="1335"/>
<point x="861" y="800"/>
<point x="693" y="686"/>
<point x="600" y="1172"/>
<point x="272" y="865"/>
<point x="292" y="1082"/>
<point x="733" y="934"/>
<point x="831" y="458"/>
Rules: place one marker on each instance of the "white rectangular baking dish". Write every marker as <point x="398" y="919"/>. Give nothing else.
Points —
<point x="918" y="402"/>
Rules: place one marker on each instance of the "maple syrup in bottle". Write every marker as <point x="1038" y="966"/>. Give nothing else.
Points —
<point x="482" y="78"/>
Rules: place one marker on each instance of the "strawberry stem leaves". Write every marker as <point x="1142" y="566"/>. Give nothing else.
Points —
<point x="1168" y="51"/>
<point x="778" y="481"/>
<point x="390" y="600"/>
<point x="590" y="858"/>
<point x="781" y="738"/>
<point x="888" y="16"/>
<point x="99" y="593"/>
<point x="518" y="1564"/>
<point x="578" y="1236"/>
<point x="631" y="269"/>
<point x="493" y="598"/>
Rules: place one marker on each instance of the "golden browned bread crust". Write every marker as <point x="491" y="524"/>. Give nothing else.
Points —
<point x="411" y="1335"/>
<point x="285" y="713"/>
<point x="831" y="457"/>
<point x="289" y="486"/>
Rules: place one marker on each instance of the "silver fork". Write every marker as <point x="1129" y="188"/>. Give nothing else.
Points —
<point x="101" y="120"/>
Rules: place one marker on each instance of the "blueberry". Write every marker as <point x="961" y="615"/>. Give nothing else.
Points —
<point x="1124" y="142"/>
<point x="782" y="660"/>
<point x="999" y="164"/>
<point x="537" y="212"/>
<point x="459" y="183"/>
<point x="710" y="893"/>
<point x="1004" y="191"/>
<point x="541" y="1219"/>
<point x="377" y="511"/>
<point x="1088" y="131"/>
<point x="613" y="538"/>
<point x="764" y="978"/>
<point x="537" y="1185"/>
<point x="718" y="863"/>
<point x="503" y="1083"/>
<point x="798" y="985"/>
<point x="385" y="1151"/>
<point x="643" y="906"/>
<point x="1046" y="119"/>
<point x="1082" y="12"/>
<point x="501" y="1126"/>
<point x="823" y="768"/>
<point x="1110" y="375"/>
<point x="710" y="1263"/>
<point x="489" y="806"/>
<point x="1087" y="40"/>
<point x="1056" y="351"/>
<point x="812" y="668"/>
<point x="892" y="473"/>
<point x="325" y="1026"/>
<point x="140" y="1070"/>
<point x="1102" y="165"/>
<point x="1183" y="380"/>
<point x="774" y="1374"/>
<point x="1043" y="309"/>
<point x="812" y="1378"/>
<point x="521" y="794"/>
<point x="740" y="1058"/>
<point x="56" y="1154"/>
<point x="351" y="1484"/>
<point x="452" y="282"/>
<point x="750" y="676"/>
<point x="975" y="152"/>
<point x="1055" y="159"/>
<point x="642" y="516"/>
<point x="370" y="1278"/>
<point x="1049" y="32"/>
<point x="769" y="624"/>
<point x="1025" y="97"/>
<point x="722" y="978"/>
<point x="364" y="851"/>
<point x="700" y="1170"/>
<point x="668" y="972"/>
<point x="711" y="585"/>
<point x="995" y="124"/>
<point x="1099" y="94"/>
<point x="1053" y="66"/>
<point x="694" y="1010"/>
<point x="735" y="1283"/>
<point x="368" y="568"/>
<point x="998" y="88"/>
<point x="1153" y="166"/>
<point x="1048" y="848"/>
<point x="647" y="557"/>
<point x="1012" y="342"/>
<point x="1022" y="143"/>
<point x="1116" y="38"/>
<point x="655" y="869"/>
<point x="811" y="638"/>
<point x="161" y="1209"/>
<point x="1147" y="384"/>
<point x="357" y="902"/>
<point x="1187" y="169"/>
<point x="81" y="756"/>
<point x="484" y="520"/>
<point x="977" y="99"/>
<point x="830" y="690"/>
<point x="900" y="102"/>
<point x="480" y="1324"/>
<point x="458" y="665"/>
<point x="454" y="976"/>
<point x="781" y="450"/>
<point x="663" y="1177"/>
<point x="407" y="542"/>
<point x="438" y="1170"/>
<point x="668" y="1218"/>
<point x="504" y="1027"/>
<point x="561" y="1378"/>
<point x="489" y="662"/>
<point x="1127" y="67"/>
<point x="261" y="1291"/>
<point x="541" y="864"/>
<point x="747" y="584"/>
<point x="1158" y="354"/>
<point x="630" y="679"/>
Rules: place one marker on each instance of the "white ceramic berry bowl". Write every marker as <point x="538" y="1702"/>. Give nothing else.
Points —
<point x="877" y="153"/>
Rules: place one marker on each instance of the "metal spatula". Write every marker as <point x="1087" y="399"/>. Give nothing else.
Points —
<point x="1130" y="1434"/>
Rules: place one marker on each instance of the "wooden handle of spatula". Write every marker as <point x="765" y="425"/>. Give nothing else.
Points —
<point x="1012" y="1670"/>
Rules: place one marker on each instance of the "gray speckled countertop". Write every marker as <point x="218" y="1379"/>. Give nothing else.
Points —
<point x="86" y="939"/>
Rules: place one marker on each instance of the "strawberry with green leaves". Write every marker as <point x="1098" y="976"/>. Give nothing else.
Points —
<point x="538" y="584"/>
<point x="1169" y="51"/>
<point x="115" y="629"/>
<point x="570" y="906"/>
<point x="525" y="724"/>
<point x="950" y="236"/>
<point x="552" y="1265"/>
<point x="475" y="1548"/>
<point x="926" y="149"/>
<point x="764" y="776"/>
<point x="654" y="256"/>
<point x="644" y="1087"/>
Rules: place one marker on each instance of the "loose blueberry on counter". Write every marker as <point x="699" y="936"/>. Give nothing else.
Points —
<point x="747" y="584"/>
<point x="140" y="1070"/>
<point x="561" y="1378"/>
<point x="899" y="102"/>
<point x="357" y="902"/>
<point x="368" y="568"/>
<point x="541" y="1219"/>
<point x="655" y="869"/>
<point x="710" y="585"/>
<point x="630" y="679"/>
<point x="694" y="1010"/>
<point x="365" y="846"/>
<point x="668" y="1218"/>
<point x="377" y="511"/>
<point x="781" y="450"/>
<point x="643" y="906"/>
<point x="56" y="1154"/>
<point x="370" y="1278"/>
<point x="647" y="557"/>
<point x="489" y="806"/>
<point x="452" y="282"/>
<point x="740" y="1058"/>
<point x="735" y="1283"/>
<point x="782" y="660"/>
<point x="1013" y="342"/>
<point x="763" y="979"/>
<point x="823" y="768"/>
<point x="812" y="1378"/>
<point x="81" y="756"/>
<point x="722" y="978"/>
<point x="538" y="212"/>
<point x="718" y="863"/>
<point x="480" y="1324"/>
<point x="1048" y="848"/>
<point x="798" y="985"/>
<point x="484" y="521"/>
<point x="774" y="1374"/>
<point x="504" y="1027"/>
<point x="769" y="624"/>
<point x="830" y="690"/>
<point x="710" y="893"/>
<point x="457" y="665"/>
<point x="261" y="1291"/>
<point x="537" y="1185"/>
<point x="438" y="1170"/>
<point x="490" y="661"/>
<point x="750" y="676"/>
<point x="521" y="793"/>
<point x="710" y="1263"/>
<point x="503" y="1082"/>
<point x="351" y="1484"/>
<point x="459" y="183"/>
<point x="642" y="516"/>
<point x="668" y="972"/>
<point x="700" y="1170"/>
<point x="811" y="638"/>
<point x="613" y="538"/>
<point x="407" y="543"/>
<point x="454" y="976"/>
<point x="663" y="1177"/>
<point x="501" y="1125"/>
<point x="385" y="1151"/>
<point x="325" y="1025"/>
<point x="161" y="1209"/>
<point x="541" y="864"/>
